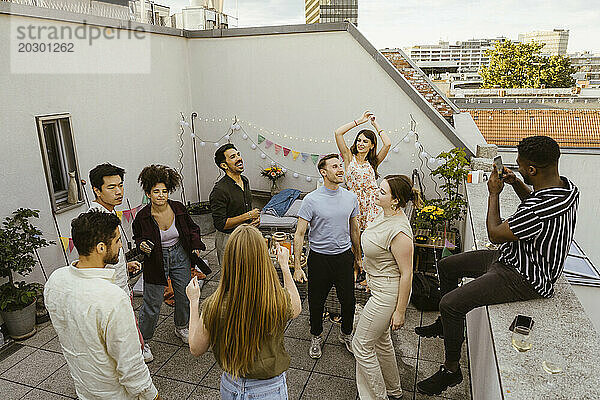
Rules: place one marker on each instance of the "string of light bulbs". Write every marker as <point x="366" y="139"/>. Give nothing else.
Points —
<point x="236" y="125"/>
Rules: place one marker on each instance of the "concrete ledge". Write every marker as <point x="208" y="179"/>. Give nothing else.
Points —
<point x="561" y="327"/>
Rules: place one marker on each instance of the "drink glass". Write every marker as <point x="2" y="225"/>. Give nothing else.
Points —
<point x="521" y="339"/>
<point x="553" y="365"/>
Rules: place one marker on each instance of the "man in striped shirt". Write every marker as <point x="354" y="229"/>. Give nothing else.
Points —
<point x="535" y="242"/>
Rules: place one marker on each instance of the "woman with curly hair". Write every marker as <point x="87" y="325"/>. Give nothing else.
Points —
<point x="164" y="231"/>
<point x="244" y="319"/>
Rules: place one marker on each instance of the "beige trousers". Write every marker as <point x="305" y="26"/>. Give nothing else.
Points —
<point x="377" y="373"/>
<point x="220" y="242"/>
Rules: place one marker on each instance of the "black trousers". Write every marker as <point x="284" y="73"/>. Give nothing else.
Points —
<point x="325" y="271"/>
<point x="495" y="283"/>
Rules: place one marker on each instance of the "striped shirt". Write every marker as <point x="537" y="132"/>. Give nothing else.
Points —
<point x="544" y="223"/>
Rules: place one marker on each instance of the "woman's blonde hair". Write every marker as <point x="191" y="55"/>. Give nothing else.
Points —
<point x="248" y="305"/>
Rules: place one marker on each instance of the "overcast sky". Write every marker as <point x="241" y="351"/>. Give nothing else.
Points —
<point x="400" y="23"/>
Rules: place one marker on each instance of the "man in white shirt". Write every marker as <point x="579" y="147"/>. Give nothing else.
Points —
<point x="93" y="316"/>
<point x="107" y="183"/>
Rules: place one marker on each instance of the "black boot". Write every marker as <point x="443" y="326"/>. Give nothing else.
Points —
<point x="440" y="381"/>
<point x="434" y="330"/>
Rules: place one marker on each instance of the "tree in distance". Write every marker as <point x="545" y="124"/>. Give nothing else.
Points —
<point x="521" y="65"/>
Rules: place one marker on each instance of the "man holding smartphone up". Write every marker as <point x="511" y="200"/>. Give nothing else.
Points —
<point x="535" y="243"/>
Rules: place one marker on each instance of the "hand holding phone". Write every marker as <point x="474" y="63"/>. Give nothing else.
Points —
<point x="499" y="166"/>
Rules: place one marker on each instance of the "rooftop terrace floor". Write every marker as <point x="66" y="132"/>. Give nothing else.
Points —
<point x="37" y="369"/>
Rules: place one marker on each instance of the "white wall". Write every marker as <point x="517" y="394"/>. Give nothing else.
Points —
<point x="301" y="85"/>
<point x="130" y="120"/>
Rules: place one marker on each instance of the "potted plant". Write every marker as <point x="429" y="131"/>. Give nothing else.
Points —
<point x="273" y="174"/>
<point x="202" y="215"/>
<point x="453" y="172"/>
<point x="18" y="241"/>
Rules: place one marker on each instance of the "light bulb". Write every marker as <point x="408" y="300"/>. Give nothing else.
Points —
<point x="253" y="146"/>
<point x="417" y="144"/>
<point x="245" y="136"/>
<point x="320" y="180"/>
<point x="202" y="144"/>
<point x="217" y="144"/>
<point x="263" y="156"/>
<point x="396" y="149"/>
<point x="406" y="139"/>
<point x="296" y="175"/>
<point x="308" y="179"/>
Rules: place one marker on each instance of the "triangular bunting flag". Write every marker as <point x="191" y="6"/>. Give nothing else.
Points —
<point x="120" y="215"/>
<point x="449" y="244"/>
<point x="277" y="148"/>
<point x="295" y="154"/>
<point x="268" y="144"/>
<point x="315" y="158"/>
<point x="305" y="157"/>
<point x="65" y="242"/>
<point x="127" y="214"/>
<point x="134" y="211"/>
<point x="71" y="245"/>
<point x="261" y="139"/>
<point x="286" y="151"/>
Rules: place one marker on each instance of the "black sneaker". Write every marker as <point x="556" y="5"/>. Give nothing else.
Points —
<point x="440" y="381"/>
<point x="434" y="330"/>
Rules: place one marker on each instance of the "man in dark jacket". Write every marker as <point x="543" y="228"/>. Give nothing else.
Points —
<point x="231" y="198"/>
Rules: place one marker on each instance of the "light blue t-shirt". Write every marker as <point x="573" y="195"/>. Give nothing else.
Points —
<point x="328" y="213"/>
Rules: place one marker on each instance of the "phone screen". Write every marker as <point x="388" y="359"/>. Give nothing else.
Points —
<point x="499" y="166"/>
<point x="522" y="320"/>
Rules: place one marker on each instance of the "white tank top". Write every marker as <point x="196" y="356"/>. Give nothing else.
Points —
<point x="169" y="237"/>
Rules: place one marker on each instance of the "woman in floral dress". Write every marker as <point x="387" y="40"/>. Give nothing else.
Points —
<point x="360" y="162"/>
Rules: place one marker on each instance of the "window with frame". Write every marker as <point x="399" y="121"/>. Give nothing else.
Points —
<point x="60" y="160"/>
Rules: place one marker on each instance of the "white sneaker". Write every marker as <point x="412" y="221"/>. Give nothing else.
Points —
<point x="347" y="340"/>
<point x="315" y="347"/>
<point x="183" y="334"/>
<point x="148" y="357"/>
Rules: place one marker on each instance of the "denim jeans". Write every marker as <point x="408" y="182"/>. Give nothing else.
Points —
<point x="247" y="389"/>
<point x="178" y="267"/>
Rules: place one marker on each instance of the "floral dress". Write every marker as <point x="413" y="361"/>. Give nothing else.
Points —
<point x="360" y="179"/>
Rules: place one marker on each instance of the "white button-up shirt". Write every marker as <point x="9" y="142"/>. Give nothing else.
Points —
<point x="96" y="328"/>
<point x="121" y="275"/>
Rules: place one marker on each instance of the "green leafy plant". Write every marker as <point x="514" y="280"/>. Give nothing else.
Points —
<point x="18" y="241"/>
<point x="522" y="65"/>
<point x="452" y="173"/>
<point x="200" y="208"/>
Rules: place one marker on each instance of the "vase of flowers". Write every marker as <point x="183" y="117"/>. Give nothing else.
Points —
<point x="273" y="174"/>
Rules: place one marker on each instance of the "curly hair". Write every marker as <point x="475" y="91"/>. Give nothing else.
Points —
<point x="155" y="174"/>
<point x="543" y="151"/>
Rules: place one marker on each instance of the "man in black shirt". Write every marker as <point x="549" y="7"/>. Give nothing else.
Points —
<point x="231" y="199"/>
<point x="535" y="243"/>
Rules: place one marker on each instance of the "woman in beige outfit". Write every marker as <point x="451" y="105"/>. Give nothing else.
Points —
<point x="388" y="247"/>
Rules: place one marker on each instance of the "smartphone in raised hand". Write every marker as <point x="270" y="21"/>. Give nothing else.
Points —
<point x="499" y="166"/>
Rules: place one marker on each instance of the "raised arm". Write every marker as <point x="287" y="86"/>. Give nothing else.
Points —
<point x="385" y="141"/>
<point x="283" y="258"/>
<point x="301" y="226"/>
<point x="498" y="231"/>
<point x="402" y="250"/>
<point x="520" y="188"/>
<point x="199" y="339"/>
<point x="341" y="131"/>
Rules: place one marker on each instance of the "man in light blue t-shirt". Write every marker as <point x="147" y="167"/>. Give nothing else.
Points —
<point x="334" y="242"/>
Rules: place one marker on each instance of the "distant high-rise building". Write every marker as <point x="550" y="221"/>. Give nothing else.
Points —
<point x="555" y="42"/>
<point x="320" y="11"/>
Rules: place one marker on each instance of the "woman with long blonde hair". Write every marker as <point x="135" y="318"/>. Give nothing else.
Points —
<point x="244" y="319"/>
